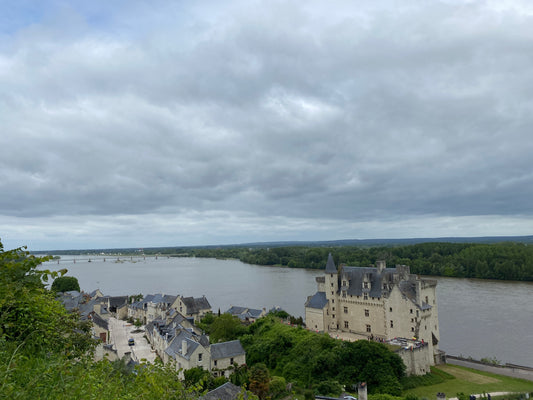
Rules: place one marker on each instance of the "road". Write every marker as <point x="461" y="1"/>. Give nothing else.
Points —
<point x="120" y="332"/>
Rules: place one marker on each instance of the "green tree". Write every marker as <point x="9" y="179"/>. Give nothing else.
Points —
<point x="260" y="380"/>
<point x="65" y="284"/>
<point x="29" y="314"/>
<point x="225" y="328"/>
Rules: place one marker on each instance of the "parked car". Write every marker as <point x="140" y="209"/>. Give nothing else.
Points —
<point x="131" y="341"/>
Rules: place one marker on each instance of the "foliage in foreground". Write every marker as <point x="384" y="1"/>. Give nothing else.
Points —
<point x="46" y="352"/>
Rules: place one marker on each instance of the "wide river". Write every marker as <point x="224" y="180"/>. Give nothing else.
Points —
<point x="478" y="318"/>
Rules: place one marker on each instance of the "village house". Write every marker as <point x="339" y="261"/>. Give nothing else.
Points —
<point x="376" y="303"/>
<point x="180" y="342"/>
<point x="245" y="314"/>
<point x="192" y="307"/>
<point x="151" y="307"/>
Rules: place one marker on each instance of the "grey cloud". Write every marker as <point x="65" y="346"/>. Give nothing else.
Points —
<point x="295" y="111"/>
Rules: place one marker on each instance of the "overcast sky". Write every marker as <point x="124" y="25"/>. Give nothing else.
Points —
<point x="169" y="123"/>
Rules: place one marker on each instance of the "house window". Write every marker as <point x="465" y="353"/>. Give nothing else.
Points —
<point x="345" y="310"/>
<point x="367" y="313"/>
<point x="365" y="297"/>
<point x="368" y="328"/>
<point x="346" y="324"/>
<point x="391" y="324"/>
<point x="199" y="356"/>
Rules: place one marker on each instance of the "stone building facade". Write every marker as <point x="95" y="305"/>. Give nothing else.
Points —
<point x="377" y="303"/>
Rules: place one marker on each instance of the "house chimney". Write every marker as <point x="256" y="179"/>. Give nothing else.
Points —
<point x="183" y="347"/>
<point x="361" y="391"/>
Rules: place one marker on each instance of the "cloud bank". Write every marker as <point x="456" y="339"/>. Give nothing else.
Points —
<point x="185" y="124"/>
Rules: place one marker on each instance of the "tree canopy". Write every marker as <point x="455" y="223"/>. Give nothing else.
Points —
<point x="65" y="284"/>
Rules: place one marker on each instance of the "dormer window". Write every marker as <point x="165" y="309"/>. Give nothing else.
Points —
<point x="365" y="285"/>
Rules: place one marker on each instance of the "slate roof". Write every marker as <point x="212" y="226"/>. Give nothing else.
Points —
<point x="117" y="301"/>
<point x="174" y="349"/>
<point x="99" y="321"/>
<point x="226" y="350"/>
<point x="330" y="265"/>
<point x="227" y="391"/>
<point x="355" y="276"/>
<point x="244" y="313"/>
<point x="194" y="305"/>
<point x="318" y="300"/>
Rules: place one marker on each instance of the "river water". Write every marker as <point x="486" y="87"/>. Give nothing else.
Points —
<point x="478" y="318"/>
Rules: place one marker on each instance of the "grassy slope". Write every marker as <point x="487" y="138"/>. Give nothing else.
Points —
<point x="470" y="381"/>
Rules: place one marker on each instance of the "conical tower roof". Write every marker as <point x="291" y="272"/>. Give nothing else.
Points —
<point x="330" y="265"/>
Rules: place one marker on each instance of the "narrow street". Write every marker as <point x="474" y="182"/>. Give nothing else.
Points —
<point x="120" y="332"/>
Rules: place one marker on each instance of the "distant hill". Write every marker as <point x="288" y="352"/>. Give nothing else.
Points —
<point x="327" y="243"/>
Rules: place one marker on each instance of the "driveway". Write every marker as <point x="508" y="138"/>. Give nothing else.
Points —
<point x="120" y="331"/>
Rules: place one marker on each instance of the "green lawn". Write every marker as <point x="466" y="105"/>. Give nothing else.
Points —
<point x="471" y="381"/>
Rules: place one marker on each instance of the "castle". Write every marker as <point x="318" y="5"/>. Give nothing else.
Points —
<point x="376" y="303"/>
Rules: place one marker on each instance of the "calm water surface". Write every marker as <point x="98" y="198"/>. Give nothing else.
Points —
<point x="478" y="318"/>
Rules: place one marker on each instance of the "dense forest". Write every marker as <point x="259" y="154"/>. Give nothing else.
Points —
<point x="504" y="261"/>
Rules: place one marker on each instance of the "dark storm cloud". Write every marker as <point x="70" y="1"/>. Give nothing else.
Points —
<point x="337" y="114"/>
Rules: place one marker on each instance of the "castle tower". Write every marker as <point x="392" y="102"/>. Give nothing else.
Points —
<point x="331" y="288"/>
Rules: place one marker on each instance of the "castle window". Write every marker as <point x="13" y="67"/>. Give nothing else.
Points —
<point x="345" y="310"/>
<point x="391" y="324"/>
<point x="333" y="309"/>
<point x="343" y="283"/>
<point x="331" y="284"/>
<point x="411" y="310"/>
<point x="333" y="315"/>
<point x="343" y="293"/>
<point x="215" y="363"/>
<point x="333" y="301"/>
<point x="365" y="296"/>
<point x="332" y="292"/>
<point x="390" y="309"/>
<point x="231" y="361"/>
<point x="346" y="325"/>
<point x="199" y="356"/>
<point x="365" y="285"/>
<point x="412" y="329"/>
<point x="367" y="313"/>
<point x="368" y="328"/>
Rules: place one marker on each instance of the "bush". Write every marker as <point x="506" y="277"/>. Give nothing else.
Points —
<point x="65" y="284"/>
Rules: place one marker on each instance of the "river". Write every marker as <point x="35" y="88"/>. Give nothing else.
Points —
<point x="478" y="318"/>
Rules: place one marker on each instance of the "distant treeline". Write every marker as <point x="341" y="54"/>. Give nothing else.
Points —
<point x="504" y="261"/>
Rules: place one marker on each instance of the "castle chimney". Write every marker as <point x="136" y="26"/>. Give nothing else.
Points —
<point x="183" y="347"/>
<point x="381" y="265"/>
